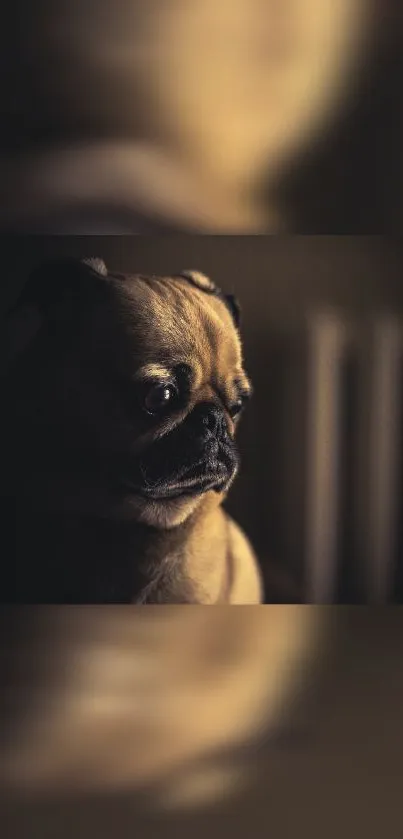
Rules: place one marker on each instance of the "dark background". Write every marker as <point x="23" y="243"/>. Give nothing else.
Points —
<point x="280" y="282"/>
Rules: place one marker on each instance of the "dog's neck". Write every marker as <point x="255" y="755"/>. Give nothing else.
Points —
<point x="84" y="558"/>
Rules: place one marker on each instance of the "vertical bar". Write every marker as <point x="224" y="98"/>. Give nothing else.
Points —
<point x="327" y="346"/>
<point x="385" y="433"/>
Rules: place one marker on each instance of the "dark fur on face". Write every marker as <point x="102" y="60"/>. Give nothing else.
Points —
<point x="132" y="384"/>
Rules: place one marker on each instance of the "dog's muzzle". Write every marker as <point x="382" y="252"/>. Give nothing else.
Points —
<point x="197" y="456"/>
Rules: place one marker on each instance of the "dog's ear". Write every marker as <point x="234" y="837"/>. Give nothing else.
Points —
<point x="204" y="283"/>
<point x="199" y="280"/>
<point x="51" y="288"/>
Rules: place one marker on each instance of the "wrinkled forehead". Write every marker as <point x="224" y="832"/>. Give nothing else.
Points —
<point x="166" y="317"/>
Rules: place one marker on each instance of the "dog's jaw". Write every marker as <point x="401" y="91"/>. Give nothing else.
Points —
<point x="164" y="514"/>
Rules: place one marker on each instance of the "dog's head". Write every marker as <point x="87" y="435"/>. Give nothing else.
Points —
<point x="131" y="384"/>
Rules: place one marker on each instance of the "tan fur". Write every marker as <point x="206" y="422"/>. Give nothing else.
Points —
<point x="216" y="549"/>
<point x="218" y="559"/>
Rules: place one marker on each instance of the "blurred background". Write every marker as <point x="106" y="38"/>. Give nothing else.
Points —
<point x="130" y="116"/>
<point x="320" y="487"/>
<point x="198" y="721"/>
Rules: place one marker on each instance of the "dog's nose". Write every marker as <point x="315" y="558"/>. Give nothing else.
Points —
<point x="212" y="419"/>
<point x="209" y="418"/>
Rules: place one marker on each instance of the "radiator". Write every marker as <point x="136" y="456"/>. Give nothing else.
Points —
<point x="353" y="366"/>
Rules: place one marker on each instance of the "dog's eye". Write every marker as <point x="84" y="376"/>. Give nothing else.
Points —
<point x="158" y="397"/>
<point x="236" y="408"/>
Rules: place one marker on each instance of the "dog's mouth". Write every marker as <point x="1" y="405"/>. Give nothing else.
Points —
<point x="167" y="491"/>
<point x="189" y="481"/>
<point x="154" y="481"/>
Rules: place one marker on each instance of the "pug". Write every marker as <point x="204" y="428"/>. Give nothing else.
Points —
<point x="123" y="395"/>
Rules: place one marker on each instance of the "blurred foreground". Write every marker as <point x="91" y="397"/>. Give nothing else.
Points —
<point x="117" y="699"/>
<point x="136" y="116"/>
<point x="190" y="720"/>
